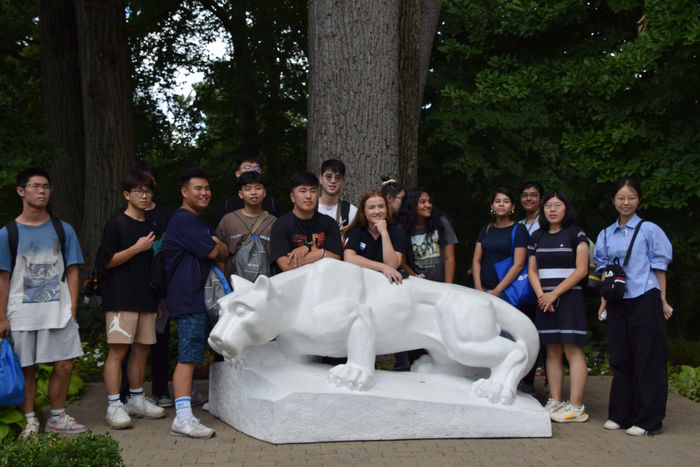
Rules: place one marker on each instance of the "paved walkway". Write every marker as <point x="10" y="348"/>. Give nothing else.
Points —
<point x="585" y="444"/>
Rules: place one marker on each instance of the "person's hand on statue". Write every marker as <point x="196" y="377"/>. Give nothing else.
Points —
<point x="392" y="274"/>
<point x="296" y="256"/>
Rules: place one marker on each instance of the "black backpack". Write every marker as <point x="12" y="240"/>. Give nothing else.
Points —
<point x="13" y="240"/>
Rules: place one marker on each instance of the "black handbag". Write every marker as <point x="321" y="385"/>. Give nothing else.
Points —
<point x="614" y="278"/>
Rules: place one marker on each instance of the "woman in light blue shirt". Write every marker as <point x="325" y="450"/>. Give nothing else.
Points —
<point x="636" y="323"/>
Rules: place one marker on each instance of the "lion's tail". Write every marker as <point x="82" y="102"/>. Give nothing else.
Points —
<point x="518" y="325"/>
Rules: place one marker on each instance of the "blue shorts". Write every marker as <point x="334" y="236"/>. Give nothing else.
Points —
<point x="192" y="333"/>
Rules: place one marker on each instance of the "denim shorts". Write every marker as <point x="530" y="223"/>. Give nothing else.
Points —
<point x="192" y="334"/>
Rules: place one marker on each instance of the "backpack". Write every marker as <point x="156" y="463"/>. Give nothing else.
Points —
<point x="251" y="259"/>
<point x="215" y="287"/>
<point x="342" y="213"/>
<point x="591" y="283"/>
<point x="13" y="240"/>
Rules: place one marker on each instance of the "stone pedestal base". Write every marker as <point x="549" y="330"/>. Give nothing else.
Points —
<point x="283" y="401"/>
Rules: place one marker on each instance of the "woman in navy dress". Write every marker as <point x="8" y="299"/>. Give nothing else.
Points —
<point x="558" y="262"/>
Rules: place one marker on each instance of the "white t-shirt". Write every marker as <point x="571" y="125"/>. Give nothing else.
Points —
<point x="531" y="228"/>
<point x="333" y="212"/>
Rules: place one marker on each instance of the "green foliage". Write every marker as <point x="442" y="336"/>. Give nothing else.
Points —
<point x="23" y="140"/>
<point x="683" y="352"/>
<point x="43" y="374"/>
<point x="12" y="422"/>
<point x="86" y="449"/>
<point x="574" y="94"/>
<point x="686" y="382"/>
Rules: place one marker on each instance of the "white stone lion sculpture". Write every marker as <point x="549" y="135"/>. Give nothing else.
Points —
<point x="336" y="309"/>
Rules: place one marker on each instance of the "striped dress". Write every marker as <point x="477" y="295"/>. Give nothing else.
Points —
<point x="556" y="260"/>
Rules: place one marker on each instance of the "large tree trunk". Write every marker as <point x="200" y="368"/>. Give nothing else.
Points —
<point x="368" y="61"/>
<point x="60" y="77"/>
<point x="109" y="133"/>
<point x="353" y="89"/>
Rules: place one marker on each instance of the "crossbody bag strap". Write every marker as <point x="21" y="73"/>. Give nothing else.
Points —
<point x="629" y="250"/>
<point x="255" y="227"/>
<point x="512" y="240"/>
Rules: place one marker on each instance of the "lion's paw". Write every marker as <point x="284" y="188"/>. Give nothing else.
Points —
<point x="350" y="376"/>
<point x="493" y="391"/>
<point x="424" y="364"/>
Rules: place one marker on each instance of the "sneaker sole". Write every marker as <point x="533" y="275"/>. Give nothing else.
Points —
<point x="149" y="417"/>
<point x="185" y="435"/>
<point x="580" y="419"/>
<point x="119" y="426"/>
<point x="65" y="432"/>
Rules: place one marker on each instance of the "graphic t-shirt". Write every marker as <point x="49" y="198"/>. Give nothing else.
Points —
<point x="234" y="229"/>
<point x="364" y="244"/>
<point x="38" y="299"/>
<point x="426" y="256"/>
<point x="127" y="287"/>
<point x="290" y="232"/>
<point x="188" y="238"/>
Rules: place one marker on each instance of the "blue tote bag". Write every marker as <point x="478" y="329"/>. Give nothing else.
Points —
<point x="519" y="292"/>
<point x="12" y="387"/>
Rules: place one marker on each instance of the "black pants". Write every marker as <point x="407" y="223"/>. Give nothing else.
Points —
<point x="160" y="362"/>
<point x="638" y="358"/>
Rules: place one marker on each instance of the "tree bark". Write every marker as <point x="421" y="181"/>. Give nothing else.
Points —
<point x="353" y="89"/>
<point x="108" y="126"/>
<point x="60" y="77"/>
<point x="368" y="62"/>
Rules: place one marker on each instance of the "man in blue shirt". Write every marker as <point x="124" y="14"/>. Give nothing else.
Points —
<point x="38" y="299"/>
<point x="189" y="250"/>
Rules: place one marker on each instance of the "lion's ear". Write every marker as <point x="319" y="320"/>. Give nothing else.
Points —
<point x="239" y="284"/>
<point x="263" y="285"/>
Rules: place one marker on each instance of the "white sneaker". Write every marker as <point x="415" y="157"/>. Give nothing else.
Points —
<point x="553" y="405"/>
<point x="635" y="430"/>
<point x="570" y="413"/>
<point x="144" y="407"/>
<point x="611" y="425"/>
<point x="190" y="428"/>
<point x="32" y="428"/>
<point x="117" y="416"/>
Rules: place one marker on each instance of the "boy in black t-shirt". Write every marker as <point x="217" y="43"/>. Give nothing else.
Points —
<point x="129" y="302"/>
<point x="304" y="235"/>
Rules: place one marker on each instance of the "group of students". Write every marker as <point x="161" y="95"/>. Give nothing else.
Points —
<point x="393" y="230"/>
<point x="556" y="253"/>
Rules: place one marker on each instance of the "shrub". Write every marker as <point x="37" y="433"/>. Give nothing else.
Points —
<point x="86" y="449"/>
<point x="686" y="382"/>
<point x="12" y="422"/>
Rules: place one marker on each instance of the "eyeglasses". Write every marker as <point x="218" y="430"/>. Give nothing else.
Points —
<point x="38" y="186"/>
<point x="330" y="177"/>
<point x="534" y="195"/>
<point x="141" y="193"/>
<point x="251" y="168"/>
<point x="553" y="206"/>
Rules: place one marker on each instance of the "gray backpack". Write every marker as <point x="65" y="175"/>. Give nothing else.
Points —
<point x="251" y="259"/>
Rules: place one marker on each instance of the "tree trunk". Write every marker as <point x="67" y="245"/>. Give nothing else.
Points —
<point x="60" y="77"/>
<point x="109" y="133"/>
<point x="368" y="62"/>
<point x="353" y="89"/>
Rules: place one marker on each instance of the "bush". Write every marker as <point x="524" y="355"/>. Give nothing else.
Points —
<point x="686" y="382"/>
<point x="683" y="352"/>
<point x="86" y="449"/>
<point x="12" y="422"/>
